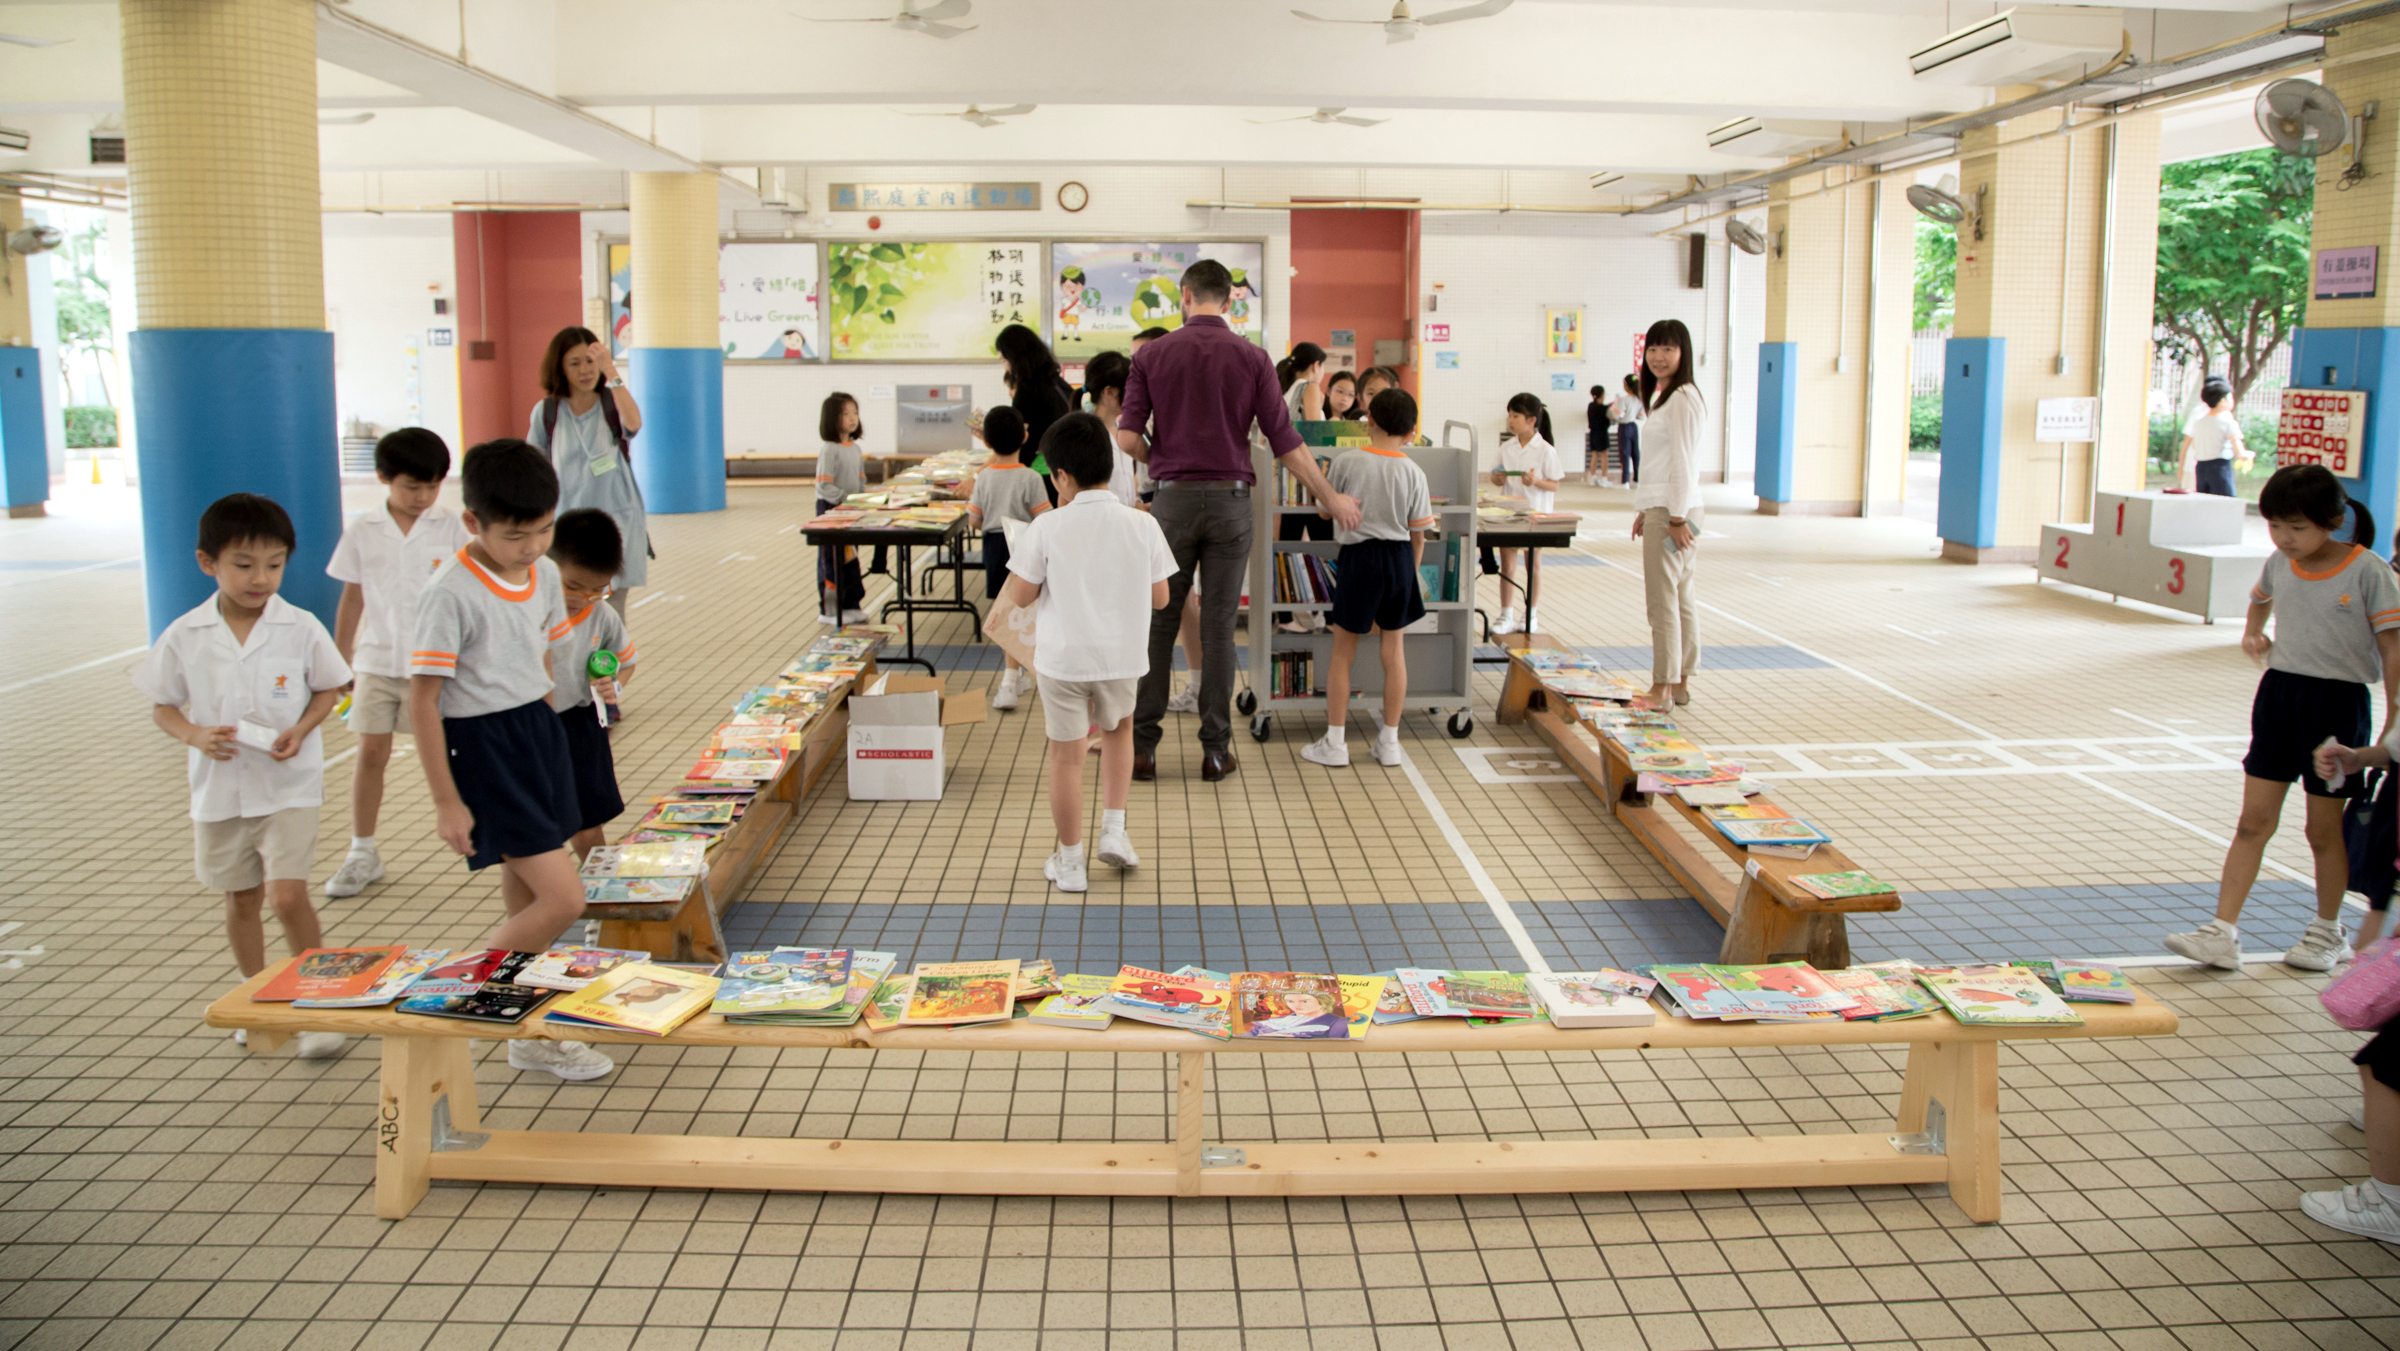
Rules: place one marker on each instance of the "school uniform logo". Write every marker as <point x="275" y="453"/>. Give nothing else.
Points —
<point x="282" y="688"/>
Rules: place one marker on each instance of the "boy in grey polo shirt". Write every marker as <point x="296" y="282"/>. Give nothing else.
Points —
<point x="1375" y="587"/>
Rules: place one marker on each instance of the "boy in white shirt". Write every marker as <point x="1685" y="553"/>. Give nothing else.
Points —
<point x="1091" y="571"/>
<point x="244" y="679"/>
<point x="387" y="554"/>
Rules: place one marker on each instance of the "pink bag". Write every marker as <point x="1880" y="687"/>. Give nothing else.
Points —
<point x="2367" y="996"/>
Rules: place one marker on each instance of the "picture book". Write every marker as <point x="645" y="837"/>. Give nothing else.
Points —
<point x="1996" y="995"/>
<point x="462" y="972"/>
<point x="753" y="769"/>
<point x="682" y="858"/>
<point x="694" y="813"/>
<point x="389" y="986"/>
<point x="867" y="970"/>
<point x="1428" y="992"/>
<point x="783" y="980"/>
<point x="1080" y="1002"/>
<point x="962" y="992"/>
<point x="1834" y="886"/>
<point x="2079" y="981"/>
<point x="1791" y="830"/>
<point x="1883" y="997"/>
<point x="1602" y="998"/>
<point x="329" y="973"/>
<point x="637" y="997"/>
<point x="1790" y="851"/>
<point x="888" y="1002"/>
<point x="1360" y="994"/>
<point x="1783" y="990"/>
<point x="636" y="890"/>
<point x="1746" y="810"/>
<point x="1289" y="1004"/>
<point x="1490" y="994"/>
<point x="1391" y="1002"/>
<point x="574" y="968"/>
<point x="1036" y="978"/>
<point x="1191" y="999"/>
<point x="496" y="997"/>
<point x="1711" y="795"/>
<point x="1696" y="991"/>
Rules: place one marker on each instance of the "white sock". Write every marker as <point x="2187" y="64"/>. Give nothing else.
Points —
<point x="1336" y="734"/>
<point x="1074" y="851"/>
<point x="1387" y="733"/>
<point x="2390" y="1192"/>
<point x="2227" y="925"/>
<point x="362" y="844"/>
<point x="1112" y="820"/>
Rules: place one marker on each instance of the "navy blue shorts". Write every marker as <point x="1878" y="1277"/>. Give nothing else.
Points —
<point x="995" y="563"/>
<point x="512" y="771"/>
<point x="1375" y="587"/>
<point x="597" y="801"/>
<point x="2214" y="476"/>
<point x="2292" y="716"/>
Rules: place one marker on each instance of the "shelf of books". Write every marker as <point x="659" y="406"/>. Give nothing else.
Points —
<point x="1299" y="576"/>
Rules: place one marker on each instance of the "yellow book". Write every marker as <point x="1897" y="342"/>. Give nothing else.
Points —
<point x="652" y="1000"/>
<point x="962" y="992"/>
<point x="1359" y="997"/>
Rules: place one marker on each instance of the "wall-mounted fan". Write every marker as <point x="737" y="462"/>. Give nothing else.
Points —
<point x="35" y="239"/>
<point x="985" y="117"/>
<point x="1326" y="116"/>
<point x="1403" y="25"/>
<point x="1943" y="206"/>
<point x="1744" y="236"/>
<point x="910" y="19"/>
<point x="2302" y="117"/>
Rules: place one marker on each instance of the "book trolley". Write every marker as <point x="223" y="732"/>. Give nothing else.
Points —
<point x="1440" y="648"/>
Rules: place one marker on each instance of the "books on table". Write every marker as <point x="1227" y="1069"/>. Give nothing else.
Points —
<point x="1080" y="1002"/>
<point x="783" y="980"/>
<point x="1773" y="992"/>
<point x="329" y="973"/>
<point x="962" y="992"/>
<point x="1789" y="830"/>
<point x="1996" y="995"/>
<point x="639" y="997"/>
<point x="1466" y="994"/>
<point x="675" y="858"/>
<point x="1391" y="1002"/>
<point x="1602" y="998"/>
<point x="2079" y="981"/>
<point x="574" y="968"/>
<point x="481" y="987"/>
<point x="1192" y="1000"/>
<point x="1289" y="1005"/>
<point x="1886" y="992"/>
<point x="390" y="985"/>
<point x="1838" y="886"/>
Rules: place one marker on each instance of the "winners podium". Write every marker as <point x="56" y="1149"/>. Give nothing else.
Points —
<point x="2180" y="550"/>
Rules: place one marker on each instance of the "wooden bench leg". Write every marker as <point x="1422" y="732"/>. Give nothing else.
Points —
<point x="262" y="1042"/>
<point x="1190" y="1066"/>
<point x="417" y="1071"/>
<point x="1757" y="928"/>
<point x="1963" y="1077"/>
<point x="1827" y="936"/>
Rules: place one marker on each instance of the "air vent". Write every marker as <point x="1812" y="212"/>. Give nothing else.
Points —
<point x="108" y="150"/>
<point x="2029" y="42"/>
<point x="1771" y="137"/>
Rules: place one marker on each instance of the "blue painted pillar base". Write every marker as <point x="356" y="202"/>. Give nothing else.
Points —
<point x="235" y="410"/>
<point x="679" y="456"/>
<point x="24" y="434"/>
<point x="2368" y="359"/>
<point x="1974" y="387"/>
<point x="1778" y="418"/>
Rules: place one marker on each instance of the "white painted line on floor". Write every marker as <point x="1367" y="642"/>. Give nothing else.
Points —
<point x="2164" y="815"/>
<point x="2147" y="722"/>
<point x="69" y="572"/>
<point x="1478" y="760"/>
<point x="1911" y="633"/>
<point x="787" y="529"/>
<point x="1771" y="581"/>
<point x="101" y="661"/>
<point x="1521" y="940"/>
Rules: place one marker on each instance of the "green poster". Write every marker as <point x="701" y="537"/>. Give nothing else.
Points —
<point x="888" y="300"/>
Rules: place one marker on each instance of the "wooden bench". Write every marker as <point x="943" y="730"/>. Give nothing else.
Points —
<point x="1946" y="1124"/>
<point x="1766" y="917"/>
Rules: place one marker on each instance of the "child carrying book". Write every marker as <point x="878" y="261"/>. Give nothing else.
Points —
<point x="386" y="554"/>
<point x="1375" y="587"/>
<point x="245" y="679"/>
<point x="1091" y="571"/>
<point x="1005" y="490"/>
<point x="479" y="691"/>
<point x="841" y="471"/>
<point x="2337" y="631"/>
<point x="589" y="551"/>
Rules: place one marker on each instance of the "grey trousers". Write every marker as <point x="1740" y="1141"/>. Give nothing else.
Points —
<point x="1668" y="593"/>
<point x="1209" y="530"/>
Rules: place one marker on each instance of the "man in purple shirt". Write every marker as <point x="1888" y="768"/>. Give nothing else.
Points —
<point x="1190" y="403"/>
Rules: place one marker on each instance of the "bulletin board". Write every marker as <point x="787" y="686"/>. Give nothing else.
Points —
<point x="945" y="300"/>
<point x="1103" y="291"/>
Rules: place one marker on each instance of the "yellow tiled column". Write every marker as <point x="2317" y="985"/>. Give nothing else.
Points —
<point x="677" y="369"/>
<point x="24" y="435"/>
<point x="232" y="366"/>
<point x="2031" y="272"/>
<point x="1833" y="368"/>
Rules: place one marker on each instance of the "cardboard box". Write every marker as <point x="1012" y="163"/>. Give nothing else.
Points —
<point x="896" y="737"/>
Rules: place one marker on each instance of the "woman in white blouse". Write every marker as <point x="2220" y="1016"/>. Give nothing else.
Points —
<point x="1666" y="507"/>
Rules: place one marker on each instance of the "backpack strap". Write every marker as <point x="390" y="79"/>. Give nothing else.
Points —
<point x="550" y="419"/>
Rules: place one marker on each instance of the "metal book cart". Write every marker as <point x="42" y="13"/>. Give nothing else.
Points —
<point x="1439" y="648"/>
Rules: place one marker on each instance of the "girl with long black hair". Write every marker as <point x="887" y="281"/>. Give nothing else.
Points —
<point x="1666" y="507"/>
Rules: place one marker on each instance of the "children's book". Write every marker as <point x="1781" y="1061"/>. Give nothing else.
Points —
<point x="1191" y="999"/>
<point x="694" y="813"/>
<point x="389" y="986"/>
<point x="329" y="973"/>
<point x="1883" y="997"/>
<point x="888" y="1001"/>
<point x="752" y="769"/>
<point x="461" y="972"/>
<point x="1602" y="998"/>
<point x="1289" y="1005"/>
<point x="1790" y="851"/>
<point x="1779" y="991"/>
<point x="636" y="890"/>
<point x="1490" y="994"/>
<point x="574" y="968"/>
<point x="1834" y="886"/>
<point x="867" y="970"/>
<point x="1391" y="1002"/>
<point x="1360" y="995"/>
<point x="2079" y="981"/>
<point x="1710" y="794"/>
<point x="1746" y="810"/>
<point x="680" y="858"/>
<point x="496" y="998"/>
<point x="2005" y="995"/>
<point x="637" y="997"/>
<point x="1037" y="978"/>
<point x="948" y="993"/>
<point x="1081" y="1001"/>
<point x="783" y="980"/>
<point x="1696" y="991"/>
<point x="1428" y="992"/>
<point x="1791" y="830"/>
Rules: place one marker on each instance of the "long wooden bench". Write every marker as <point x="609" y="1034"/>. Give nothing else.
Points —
<point x="1945" y="1126"/>
<point x="1766" y="918"/>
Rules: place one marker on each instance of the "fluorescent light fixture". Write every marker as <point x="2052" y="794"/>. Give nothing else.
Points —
<point x="1772" y="136"/>
<point x="1604" y="179"/>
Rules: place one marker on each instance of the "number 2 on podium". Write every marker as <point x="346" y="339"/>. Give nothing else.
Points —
<point x="2061" y="560"/>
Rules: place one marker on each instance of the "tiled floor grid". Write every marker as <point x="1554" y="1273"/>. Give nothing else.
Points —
<point x="158" y="1188"/>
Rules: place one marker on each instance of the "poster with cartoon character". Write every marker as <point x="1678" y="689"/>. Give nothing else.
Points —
<point x="1110" y="290"/>
<point x="767" y="300"/>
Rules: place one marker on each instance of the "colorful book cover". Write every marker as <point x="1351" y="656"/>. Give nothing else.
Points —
<point x="962" y="992"/>
<point x="1081" y="1001"/>
<point x="574" y="968"/>
<point x="1697" y="991"/>
<point x="867" y="971"/>
<point x="1781" y="990"/>
<point x="1791" y="830"/>
<point x="693" y="813"/>
<point x="1604" y="998"/>
<point x="329" y="973"/>
<point x="1360" y="994"/>
<point x="888" y="1002"/>
<point x="1835" y="886"/>
<point x="494" y="998"/>
<point x="783" y="980"/>
<point x="681" y="858"/>
<point x="1391" y="1002"/>
<point x="389" y="986"/>
<point x="1428" y="991"/>
<point x="1290" y="1005"/>
<point x="1746" y="810"/>
<point x="461" y="972"/>
<point x="2080" y="981"/>
<point x="734" y="769"/>
<point x="1997" y="995"/>
<point x="1881" y="997"/>
<point x="636" y="890"/>
<point x="1490" y="994"/>
<point x="638" y="997"/>
<point x="1037" y="978"/>
<point x="1192" y="999"/>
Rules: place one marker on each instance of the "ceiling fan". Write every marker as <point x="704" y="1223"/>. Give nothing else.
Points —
<point x="21" y="40"/>
<point x="1403" y="26"/>
<point x="928" y="21"/>
<point x="985" y="117"/>
<point x="1327" y="116"/>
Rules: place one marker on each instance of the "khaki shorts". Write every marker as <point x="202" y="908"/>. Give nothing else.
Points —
<point x="241" y="853"/>
<point x="1070" y="708"/>
<point x="379" y="705"/>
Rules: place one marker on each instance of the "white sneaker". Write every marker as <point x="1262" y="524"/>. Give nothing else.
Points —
<point x="2358" y="1116"/>
<point x="829" y="617"/>
<point x="2212" y="944"/>
<point x="854" y="616"/>
<point x="241" y="1036"/>
<point x="2322" y="945"/>
<point x="1004" y="696"/>
<point x="358" y="871"/>
<point x="1507" y="623"/>
<point x="2356" y="1209"/>
<point x="1066" y="870"/>
<point x="1116" y="849"/>
<point x="1327" y="751"/>
<point x="569" y="1060"/>
<point x="1185" y="700"/>
<point x="319" y="1045"/>
<point x="1388" y="752"/>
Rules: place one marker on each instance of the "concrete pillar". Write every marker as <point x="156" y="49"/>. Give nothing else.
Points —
<point x="677" y="370"/>
<point x="232" y="366"/>
<point x="2054" y="301"/>
<point x="2354" y="342"/>
<point x="24" y="429"/>
<point x="1833" y="366"/>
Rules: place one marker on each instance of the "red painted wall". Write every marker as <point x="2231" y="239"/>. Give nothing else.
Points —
<point x="520" y="280"/>
<point x="1358" y="270"/>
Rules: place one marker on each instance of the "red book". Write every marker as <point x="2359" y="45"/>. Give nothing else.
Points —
<point x="329" y="973"/>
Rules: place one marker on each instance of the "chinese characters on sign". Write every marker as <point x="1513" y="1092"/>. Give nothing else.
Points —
<point x="2344" y="274"/>
<point x="2322" y="426"/>
<point x="1004" y="282"/>
<point x="935" y="196"/>
<point x="767" y="300"/>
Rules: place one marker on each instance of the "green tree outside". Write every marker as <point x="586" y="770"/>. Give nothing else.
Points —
<point x="1937" y="275"/>
<point x="2233" y="261"/>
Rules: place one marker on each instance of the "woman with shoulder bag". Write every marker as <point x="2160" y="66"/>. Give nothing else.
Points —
<point x="586" y="421"/>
